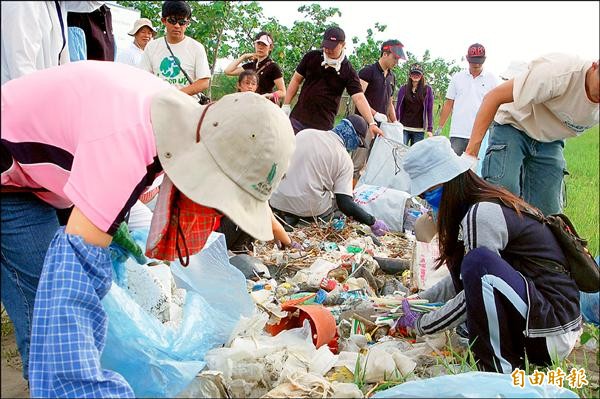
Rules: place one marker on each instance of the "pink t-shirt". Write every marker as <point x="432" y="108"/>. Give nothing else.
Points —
<point x="83" y="132"/>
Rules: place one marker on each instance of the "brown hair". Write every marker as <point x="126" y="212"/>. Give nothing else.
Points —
<point x="458" y="196"/>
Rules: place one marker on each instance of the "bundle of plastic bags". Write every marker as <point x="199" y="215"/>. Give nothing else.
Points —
<point x="159" y="360"/>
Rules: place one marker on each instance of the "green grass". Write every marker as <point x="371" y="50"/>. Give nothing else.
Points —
<point x="581" y="154"/>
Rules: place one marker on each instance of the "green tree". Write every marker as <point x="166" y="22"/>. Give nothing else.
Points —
<point x="367" y="51"/>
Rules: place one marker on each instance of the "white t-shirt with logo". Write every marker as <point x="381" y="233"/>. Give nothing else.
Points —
<point x="467" y="93"/>
<point x="550" y="102"/>
<point x="191" y="55"/>
<point x="320" y="167"/>
<point x="130" y="55"/>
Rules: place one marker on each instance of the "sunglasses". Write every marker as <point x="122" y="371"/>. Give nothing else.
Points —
<point x="180" y="21"/>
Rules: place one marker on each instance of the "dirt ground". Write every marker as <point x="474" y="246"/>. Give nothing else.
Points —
<point x="12" y="382"/>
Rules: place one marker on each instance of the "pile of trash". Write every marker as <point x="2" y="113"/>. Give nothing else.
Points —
<point x="314" y="322"/>
<point x="311" y="322"/>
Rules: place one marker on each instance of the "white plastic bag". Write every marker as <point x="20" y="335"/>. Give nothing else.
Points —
<point x="384" y="167"/>
<point x="424" y="259"/>
<point x="383" y="203"/>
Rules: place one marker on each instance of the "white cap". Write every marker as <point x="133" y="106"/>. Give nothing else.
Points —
<point x="244" y="149"/>
<point x="264" y="39"/>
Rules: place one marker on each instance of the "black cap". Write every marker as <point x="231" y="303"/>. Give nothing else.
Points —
<point x="332" y="37"/>
<point x="476" y="54"/>
<point x="416" y="68"/>
<point x="360" y="126"/>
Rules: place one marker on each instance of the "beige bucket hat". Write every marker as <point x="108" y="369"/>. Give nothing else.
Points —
<point x="244" y="149"/>
<point x="138" y="24"/>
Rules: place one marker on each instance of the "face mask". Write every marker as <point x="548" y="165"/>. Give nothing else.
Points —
<point x="434" y="198"/>
<point x="335" y="64"/>
<point x="346" y="132"/>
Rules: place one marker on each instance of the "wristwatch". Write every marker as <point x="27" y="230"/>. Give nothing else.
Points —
<point x="372" y="123"/>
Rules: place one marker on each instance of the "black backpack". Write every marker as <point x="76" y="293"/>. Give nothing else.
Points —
<point x="581" y="265"/>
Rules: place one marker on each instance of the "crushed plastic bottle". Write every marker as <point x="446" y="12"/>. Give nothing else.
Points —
<point x="338" y="223"/>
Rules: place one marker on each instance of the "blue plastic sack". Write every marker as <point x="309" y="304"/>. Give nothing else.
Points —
<point x="158" y="361"/>
<point x="475" y="384"/>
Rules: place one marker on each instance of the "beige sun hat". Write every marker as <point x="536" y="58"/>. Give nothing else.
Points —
<point x="137" y="25"/>
<point x="244" y="149"/>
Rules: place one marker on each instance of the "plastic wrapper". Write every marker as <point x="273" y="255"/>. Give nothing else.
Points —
<point x="159" y="361"/>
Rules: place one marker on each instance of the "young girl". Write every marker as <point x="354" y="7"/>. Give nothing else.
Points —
<point x="269" y="73"/>
<point x="507" y="268"/>
<point x="247" y="81"/>
<point x="414" y="108"/>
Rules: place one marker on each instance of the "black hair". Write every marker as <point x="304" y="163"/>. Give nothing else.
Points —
<point x="459" y="194"/>
<point x="247" y="73"/>
<point x="392" y="42"/>
<point x="176" y="9"/>
<point x="421" y="86"/>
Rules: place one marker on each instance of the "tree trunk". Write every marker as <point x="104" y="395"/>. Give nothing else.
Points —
<point x="219" y="39"/>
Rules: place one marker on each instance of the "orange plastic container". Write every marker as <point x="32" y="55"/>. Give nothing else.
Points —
<point x="322" y="323"/>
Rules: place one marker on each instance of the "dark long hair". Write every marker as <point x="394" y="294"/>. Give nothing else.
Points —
<point x="458" y="196"/>
<point x="421" y="87"/>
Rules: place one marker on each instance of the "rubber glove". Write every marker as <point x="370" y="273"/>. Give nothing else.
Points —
<point x="379" y="117"/>
<point x="124" y="245"/>
<point x="379" y="228"/>
<point x="471" y="159"/>
<point x="287" y="109"/>
<point x="409" y="317"/>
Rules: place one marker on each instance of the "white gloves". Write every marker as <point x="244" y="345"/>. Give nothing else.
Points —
<point x="379" y="117"/>
<point x="286" y="109"/>
<point x="471" y="159"/>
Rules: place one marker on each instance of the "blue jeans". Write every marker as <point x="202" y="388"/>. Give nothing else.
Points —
<point x="28" y="226"/>
<point x="526" y="167"/>
<point x="413" y="137"/>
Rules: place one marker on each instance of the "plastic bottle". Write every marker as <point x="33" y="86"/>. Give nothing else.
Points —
<point x="338" y="223"/>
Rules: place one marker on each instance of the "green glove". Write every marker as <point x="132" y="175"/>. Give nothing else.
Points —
<point x="123" y="239"/>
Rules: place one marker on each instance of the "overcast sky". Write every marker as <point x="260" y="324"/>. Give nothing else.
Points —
<point x="510" y="31"/>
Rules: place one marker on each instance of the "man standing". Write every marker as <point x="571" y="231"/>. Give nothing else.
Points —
<point x="464" y="96"/>
<point x="378" y="81"/>
<point x="142" y="33"/>
<point x="173" y="56"/>
<point x="555" y="98"/>
<point x="325" y="75"/>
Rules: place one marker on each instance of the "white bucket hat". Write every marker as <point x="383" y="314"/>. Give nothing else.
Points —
<point x="430" y="162"/>
<point x="137" y="25"/>
<point x="244" y="149"/>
